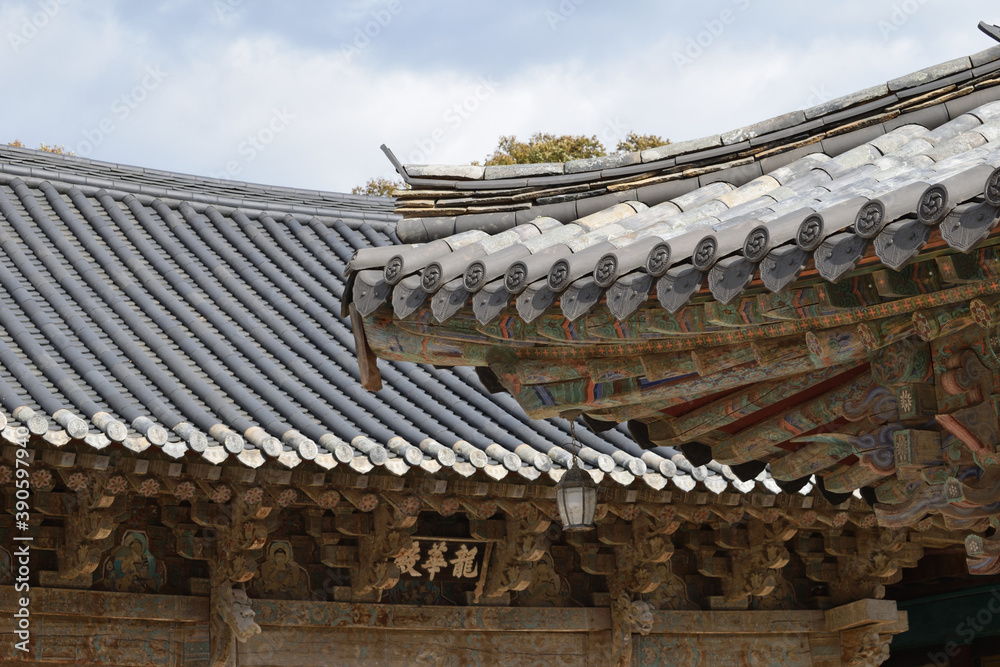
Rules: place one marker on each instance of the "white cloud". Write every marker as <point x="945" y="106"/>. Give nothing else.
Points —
<point x="225" y="83"/>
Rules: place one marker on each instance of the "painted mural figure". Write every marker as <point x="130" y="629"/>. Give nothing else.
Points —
<point x="280" y="576"/>
<point x="133" y="568"/>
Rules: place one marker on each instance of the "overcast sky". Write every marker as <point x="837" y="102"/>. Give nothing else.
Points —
<point x="303" y="93"/>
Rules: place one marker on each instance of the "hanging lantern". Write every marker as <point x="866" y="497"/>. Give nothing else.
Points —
<point x="576" y="496"/>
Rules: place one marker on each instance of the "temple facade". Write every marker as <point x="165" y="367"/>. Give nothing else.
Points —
<point x="247" y="425"/>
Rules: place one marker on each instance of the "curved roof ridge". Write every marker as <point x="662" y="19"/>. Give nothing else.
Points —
<point x="444" y="200"/>
<point x="814" y="211"/>
<point x="921" y="82"/>
<point x="28" y="164"/>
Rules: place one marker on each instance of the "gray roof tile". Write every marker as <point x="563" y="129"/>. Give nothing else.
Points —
<point x="228" y="319"/>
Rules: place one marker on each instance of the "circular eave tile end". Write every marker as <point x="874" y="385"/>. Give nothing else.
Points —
<point x="992" y="190"/>
<point x="658" y="259"/>
<point x="870" y="219"/>
<point x="474" y="277"/>
<point x="516" y="278"/>
<point x="559" y="276"/>
<point x="704" y="253"/>
<point x="606" y="271"/>
<point x="810" y="233"/>
<point x="757" y="244"/>
<point x="934" y="205"/>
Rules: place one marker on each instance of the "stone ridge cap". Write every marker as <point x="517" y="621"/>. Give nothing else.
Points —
<point x="920" y="82"/>
<point x="20" y="161"/>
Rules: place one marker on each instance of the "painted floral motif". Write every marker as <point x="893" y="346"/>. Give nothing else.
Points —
<point x="665" y="513"/>
<point x="700" y="515"/>
<point x="410" y="506"/>
<point x="839" y="519"/>
<point x="980" y="313"/>
<point x="522" y="511"/>
<point x="629" y="512"/>
<point x="253" y="495"/>
<point x="41" y="480"/>
<point x="328" y="499"/>
<point x="485" y="509"/>
<point x="77" y="482"/>
<point x="133" y="568"/>
<point x="867" y="336"/>
<point x="184" y="491"/>
<point x="905" y="398"/>
<point x="116" y="485"/>
<point x="221" y="494"/>
<point x="367" y="502"/>
<point x="449" y="506"/>
<point x="149" y="488"/>
<point x="287" y="497"/>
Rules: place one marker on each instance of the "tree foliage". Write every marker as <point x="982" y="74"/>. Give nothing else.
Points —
<point x="544" y="147"/>
<point x="640" y="142"/>
<point x="48" y="148"/>
<point x="540" y="147"/>
<point x="379" y="187"/>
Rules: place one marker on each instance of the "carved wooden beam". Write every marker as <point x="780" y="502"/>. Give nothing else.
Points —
<point x="983" y="554"/>
<point x="757" y="553"/>
<point x="865" y="564"/>
<point x="856" y="398"/>
<point x="736" y="406"/>
<point x="382" y="540"/>
<point x="975" y="423"/>
<point x="647" y="544"/>
<point x="521" y="541"/>
<point x="627" y="617"/>
<point x="93" y="515"/>
<point x="942" y="321"/>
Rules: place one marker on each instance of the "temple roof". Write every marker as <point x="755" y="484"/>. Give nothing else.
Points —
<point x="811" y="201"/>
<point x="792" y="298"/>
<point x="445" y="199"/>
<point x="187" y="318"/>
